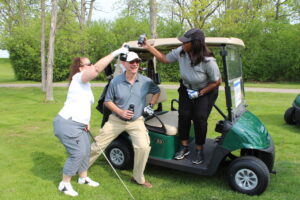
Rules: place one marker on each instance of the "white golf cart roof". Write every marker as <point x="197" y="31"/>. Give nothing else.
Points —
<point x="171" y="43"/>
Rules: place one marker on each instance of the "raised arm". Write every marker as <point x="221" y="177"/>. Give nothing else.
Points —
<point x="93" y="71"/>
<point x="159" y="55"/>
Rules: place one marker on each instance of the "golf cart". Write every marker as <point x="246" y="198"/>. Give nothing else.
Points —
<point x="292" y="114"/>
<point x="244" y="142"/>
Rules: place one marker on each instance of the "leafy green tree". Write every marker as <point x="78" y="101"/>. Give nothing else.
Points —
<point x="196" y="13"/>
<point x="23" y="45"/>
<point x="138" y="8"/>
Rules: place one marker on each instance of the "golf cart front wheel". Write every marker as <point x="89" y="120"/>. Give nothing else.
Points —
<point x="120" y="154"/>
<point x="289" y="116"/>
<point x="248" y="175"/>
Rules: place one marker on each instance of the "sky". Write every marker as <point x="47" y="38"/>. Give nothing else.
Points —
<point x="107" y="11"/>
<point x="4" y="54"/>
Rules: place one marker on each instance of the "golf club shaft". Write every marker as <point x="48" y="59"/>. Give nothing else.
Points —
<point x="111" y="166"/>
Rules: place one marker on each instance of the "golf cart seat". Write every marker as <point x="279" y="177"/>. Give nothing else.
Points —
<point x="164" y="122"/>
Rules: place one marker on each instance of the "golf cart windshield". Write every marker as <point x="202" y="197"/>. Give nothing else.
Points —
<point x="235" y="79"/>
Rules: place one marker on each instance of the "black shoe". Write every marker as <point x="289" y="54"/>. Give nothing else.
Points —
<point x="183" y="151"/>
<point x="199" y="158"/>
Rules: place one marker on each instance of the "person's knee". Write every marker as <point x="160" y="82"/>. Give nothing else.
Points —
<point x="200" y="117"/>
<point x="79" y="156"/>
<point x="143" y="149"/>
<point x="202" y="122"/>
<point x="142" y="145"/>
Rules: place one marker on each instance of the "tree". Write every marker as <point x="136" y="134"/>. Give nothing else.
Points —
<point x="83" y="11"/>
<point x="153" y="19"/>
<point x="80" y="10"/>
<point x="195" y="12"/>
<point x="43" y="64"/>
<point x="89" y="20"/>
<point x="137" y="8"/>
<point x="50" y="62"/>
<point x="17" y="12"/>
<point x="287" y="9"/>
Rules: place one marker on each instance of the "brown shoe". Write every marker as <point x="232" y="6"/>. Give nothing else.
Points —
<point x="145" y="185"/>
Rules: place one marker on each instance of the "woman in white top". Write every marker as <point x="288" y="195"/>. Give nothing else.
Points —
<point x="72" y="122"/>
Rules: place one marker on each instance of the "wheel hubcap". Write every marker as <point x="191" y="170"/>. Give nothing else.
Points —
<point x="117" y="156"/>
<point x="246" y="179"/>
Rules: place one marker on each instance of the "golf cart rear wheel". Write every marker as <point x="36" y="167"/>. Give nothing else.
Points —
<point x="120" y="154"/>
<point x="289" y="116"/>
<point x="248" y="175"/>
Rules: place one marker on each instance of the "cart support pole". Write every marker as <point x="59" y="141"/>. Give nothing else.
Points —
<point x="227" y="87"/>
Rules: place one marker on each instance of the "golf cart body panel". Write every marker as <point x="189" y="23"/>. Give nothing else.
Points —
<point x="297" y="101"/>
<point x="213" y="153"/>
<point x="296" y="105"/>
<point x="163" y="146"/>
<point x="292" y="114"/>
<point x="247" y="133"/>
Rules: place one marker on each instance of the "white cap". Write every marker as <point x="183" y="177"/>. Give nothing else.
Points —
<point x="132" y="56"/>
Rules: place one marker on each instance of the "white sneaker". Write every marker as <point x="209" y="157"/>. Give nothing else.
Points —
<point x="88" y="181"/>
<point x="67" y="189"/>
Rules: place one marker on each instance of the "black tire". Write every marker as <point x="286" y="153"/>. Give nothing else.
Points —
<point x="248" y="175"/>
<point x="120" y="154"/>
<point x="289" y="116"/>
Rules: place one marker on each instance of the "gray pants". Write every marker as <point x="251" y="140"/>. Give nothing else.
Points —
<point x="77" y="143"/>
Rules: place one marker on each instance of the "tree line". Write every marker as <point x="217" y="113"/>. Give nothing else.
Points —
<point x="270" y="30"/>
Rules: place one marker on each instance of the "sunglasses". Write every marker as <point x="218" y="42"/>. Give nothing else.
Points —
<point x="135" y="61"/>
<point x="88" y="64"/>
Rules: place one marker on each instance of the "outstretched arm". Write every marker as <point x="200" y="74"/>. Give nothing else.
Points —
<point x="159" y="55"/>
<point x="93" y="71"/>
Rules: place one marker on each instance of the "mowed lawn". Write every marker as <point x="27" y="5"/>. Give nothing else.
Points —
<point x="32" y="157"/>
<point x="7" y="73"/>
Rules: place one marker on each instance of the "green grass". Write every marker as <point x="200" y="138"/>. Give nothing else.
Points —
<point x="32" y="157"/>
<point x="7" y="73"/>
<point x="282" y="85"/>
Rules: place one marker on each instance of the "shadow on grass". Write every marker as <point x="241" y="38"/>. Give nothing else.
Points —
<point x="46" y="167"/>
<point x="103" y="163"/>
<point x="167" y="177"/>
<point x="172" y="175"/>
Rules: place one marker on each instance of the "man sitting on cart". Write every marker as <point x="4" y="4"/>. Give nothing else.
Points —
<point x="126" y="98"/>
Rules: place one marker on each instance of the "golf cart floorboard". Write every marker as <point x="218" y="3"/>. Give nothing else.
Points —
<point x="186" y="163"/>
